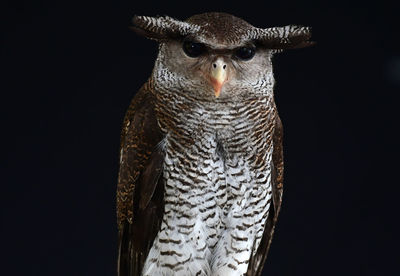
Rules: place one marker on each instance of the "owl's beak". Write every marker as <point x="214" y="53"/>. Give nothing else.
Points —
<point x="218" y="75"/>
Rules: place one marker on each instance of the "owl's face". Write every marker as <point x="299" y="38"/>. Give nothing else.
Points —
<point x="210" y="70"/>
<point x="216" y="56"/>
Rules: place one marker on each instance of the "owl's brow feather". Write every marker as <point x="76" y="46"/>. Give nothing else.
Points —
<point x="229" y="48"/>
<point x="218" y="47"/>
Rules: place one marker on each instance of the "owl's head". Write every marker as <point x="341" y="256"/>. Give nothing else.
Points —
<point x="217" y="55"/>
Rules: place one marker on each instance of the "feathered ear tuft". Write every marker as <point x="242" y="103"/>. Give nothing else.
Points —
<point x="162" y="27"/>
<point x="287" y="37"/>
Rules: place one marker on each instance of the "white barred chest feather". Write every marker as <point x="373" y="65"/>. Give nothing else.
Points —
<point x="217" y="173"/>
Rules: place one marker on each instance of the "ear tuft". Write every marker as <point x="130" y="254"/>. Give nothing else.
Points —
<point x="162" y="27"/>
<point x="287" y="37"/>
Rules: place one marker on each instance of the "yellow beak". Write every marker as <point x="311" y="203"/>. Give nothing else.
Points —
<point x="218" y="75"/>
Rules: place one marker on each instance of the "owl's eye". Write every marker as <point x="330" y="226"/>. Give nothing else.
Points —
<point x="245" y="53"/>
<point x="193" y="49"/>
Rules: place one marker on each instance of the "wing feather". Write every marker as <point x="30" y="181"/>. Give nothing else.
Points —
<point x="139" y="183"/>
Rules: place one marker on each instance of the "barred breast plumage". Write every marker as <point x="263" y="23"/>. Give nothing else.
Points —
<point x="201" y="174"/>
<point x="218" y="183"/>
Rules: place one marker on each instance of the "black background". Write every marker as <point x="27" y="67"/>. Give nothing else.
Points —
<point x="70" y="69"/>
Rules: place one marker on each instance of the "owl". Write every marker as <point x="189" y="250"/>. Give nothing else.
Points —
<point x="201" y="165"/>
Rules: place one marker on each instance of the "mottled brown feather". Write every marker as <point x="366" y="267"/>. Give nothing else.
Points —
<point x="223" y="27"/>
<point x="139" y="181"/>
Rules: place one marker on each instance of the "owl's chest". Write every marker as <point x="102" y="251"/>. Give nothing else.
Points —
<point x="217" y="168"/>
<point x="207" y="138"/>
<point x="228" y="129"/>
<point x="208" y="148"/>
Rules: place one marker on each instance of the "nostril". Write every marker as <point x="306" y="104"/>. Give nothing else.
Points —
<point x="224" y="66"/>
<point x="214" y="65"/>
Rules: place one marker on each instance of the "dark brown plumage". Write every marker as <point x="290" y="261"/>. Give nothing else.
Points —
<point x="140" y="189"/>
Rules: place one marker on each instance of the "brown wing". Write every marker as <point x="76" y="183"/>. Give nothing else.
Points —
<point x="257" y="261"/>
<point x="140" y="188"/>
